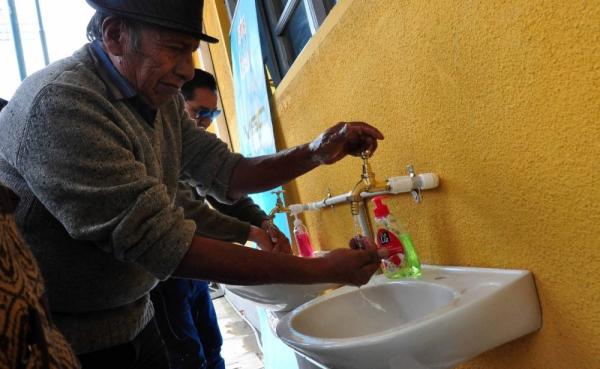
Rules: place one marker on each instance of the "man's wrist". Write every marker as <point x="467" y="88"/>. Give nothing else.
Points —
<point x="318" y="270"/>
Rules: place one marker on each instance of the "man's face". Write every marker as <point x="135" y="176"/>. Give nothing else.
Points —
<point x="203" y="98"/>
<point x="160" y="66"/>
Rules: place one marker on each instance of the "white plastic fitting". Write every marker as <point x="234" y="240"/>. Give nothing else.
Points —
<point x="400" y="184"/>
<point x="296" y="209"/>
<point x="426" y="181"/>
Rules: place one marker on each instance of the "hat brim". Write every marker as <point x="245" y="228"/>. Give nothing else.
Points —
<point x="167" y="23"/>
<point x="209" y="39"/>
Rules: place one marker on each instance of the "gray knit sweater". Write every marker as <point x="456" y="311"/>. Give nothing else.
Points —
<point x="97" y="186"/>
<point x="229" y="222"/>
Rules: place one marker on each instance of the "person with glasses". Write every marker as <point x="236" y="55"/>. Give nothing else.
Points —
<point x="183" y="307"/>
<point x="200" y="95"/>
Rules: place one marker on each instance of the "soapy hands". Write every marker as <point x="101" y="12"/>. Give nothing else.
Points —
<point x="356" y="265"/>
<point x="279" y="240"/>
<point x="269" y="238"/>
<point x="351" y="138"/>
<point x="261" y="238"/>
<point x="261" y="173"/>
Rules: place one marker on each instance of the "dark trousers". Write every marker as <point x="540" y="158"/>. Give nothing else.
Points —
<point x="188" y="323"/>
<point x="146" y="351"/>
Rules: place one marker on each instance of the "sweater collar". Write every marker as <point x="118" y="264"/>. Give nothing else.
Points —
<point x="118" y="86"/>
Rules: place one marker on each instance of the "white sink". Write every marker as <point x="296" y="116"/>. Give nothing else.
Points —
<point x="280" y="297"/>
<point x="444" y="318"/>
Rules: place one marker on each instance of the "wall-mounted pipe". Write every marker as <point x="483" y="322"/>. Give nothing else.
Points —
<point x="396" y="185"/>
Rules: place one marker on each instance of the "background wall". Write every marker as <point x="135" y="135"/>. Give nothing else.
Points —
<point x="502" y="100"/>
<point x="216" y="24"/>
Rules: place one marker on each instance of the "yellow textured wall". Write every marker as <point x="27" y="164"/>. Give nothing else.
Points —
<point x="502" y="100"/>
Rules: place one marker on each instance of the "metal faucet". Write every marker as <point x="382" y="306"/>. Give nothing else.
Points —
<point x="367" y="183"/>
<point x="279" y="206"/>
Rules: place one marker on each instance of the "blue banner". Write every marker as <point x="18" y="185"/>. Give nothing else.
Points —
<point x="254" y="124"/>
<point x="255" y="130"/>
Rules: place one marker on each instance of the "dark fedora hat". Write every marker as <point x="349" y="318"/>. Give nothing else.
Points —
<point x="180" y="15"/>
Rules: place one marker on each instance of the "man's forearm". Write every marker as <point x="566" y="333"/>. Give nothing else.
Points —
<point x="224" y="262"/>
<point x="262" y="173"/>
<point x="265" y="172"/>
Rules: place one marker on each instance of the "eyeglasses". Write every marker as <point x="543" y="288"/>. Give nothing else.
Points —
<point x="211" y="114"/>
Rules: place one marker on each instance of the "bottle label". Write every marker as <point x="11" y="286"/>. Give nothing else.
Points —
<point x="395" y="248"/>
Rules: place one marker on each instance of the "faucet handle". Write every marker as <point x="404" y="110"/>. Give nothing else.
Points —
<point x="279" y="194"/>
<point x="416" y="193"/>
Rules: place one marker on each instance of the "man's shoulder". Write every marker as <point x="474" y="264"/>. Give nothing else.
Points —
<point x="64" y="82"/>
<point x="61" y="84"/>
<point x="73" y="72"/>
<point x="76" y="71"/>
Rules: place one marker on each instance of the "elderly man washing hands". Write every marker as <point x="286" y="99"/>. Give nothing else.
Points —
<point x="95" y="144"/>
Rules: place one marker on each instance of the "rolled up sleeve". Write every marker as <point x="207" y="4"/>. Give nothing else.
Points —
<point x="81" y="166"/>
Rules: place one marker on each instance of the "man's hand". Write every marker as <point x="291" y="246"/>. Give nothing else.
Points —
<point x="343" y="139"/>
<point x="261" y="238"/>
<point x="279" y="240"/>
<point x="355" y="266"/>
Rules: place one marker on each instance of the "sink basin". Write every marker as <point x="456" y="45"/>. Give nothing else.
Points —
<point x="444" y="318"/>
<point x="376" y="309"/>
<point x="280" y="297"/>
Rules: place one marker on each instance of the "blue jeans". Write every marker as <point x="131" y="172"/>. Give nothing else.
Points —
<point x="188" y="323"/>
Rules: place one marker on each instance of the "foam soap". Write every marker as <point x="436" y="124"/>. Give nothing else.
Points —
<point x="392" y="235"/>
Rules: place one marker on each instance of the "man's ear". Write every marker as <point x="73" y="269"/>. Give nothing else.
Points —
<point x="113" y="36"/>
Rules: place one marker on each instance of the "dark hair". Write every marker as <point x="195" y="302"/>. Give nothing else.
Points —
<point x="201" y="79"/>
<point x="2" y="103"/>
<point x="94" y="29"/>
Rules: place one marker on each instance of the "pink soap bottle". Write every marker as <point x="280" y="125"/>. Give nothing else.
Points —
<point x="302" y="238"/>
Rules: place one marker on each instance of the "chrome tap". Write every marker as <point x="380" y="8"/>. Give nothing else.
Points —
<point x="367" y="183"/>
<point x="279" y="206"/>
